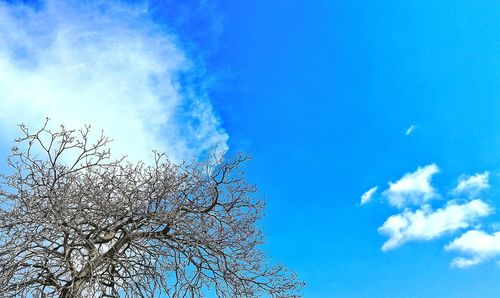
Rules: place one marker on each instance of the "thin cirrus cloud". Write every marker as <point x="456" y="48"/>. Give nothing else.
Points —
<point x="410" y="130"/>
<point x="107" y="64"/>
<point x="472" y="185"/>
<point x="368" y="195"/>
<point x="427" y="224"/>
<point x="413" y="188"/>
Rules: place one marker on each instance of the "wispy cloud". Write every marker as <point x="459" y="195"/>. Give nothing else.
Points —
<point x="410" y="130"/>
<point x="107" y="64"/>
<point x="477" y="245"/>
<point x="413" y="188"/>
<point x="472" y="185"/>
<point x="426" y="224"/>
<point x="367" y="196"/>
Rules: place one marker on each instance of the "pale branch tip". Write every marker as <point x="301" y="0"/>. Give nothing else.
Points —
<point x="76" y="223"/>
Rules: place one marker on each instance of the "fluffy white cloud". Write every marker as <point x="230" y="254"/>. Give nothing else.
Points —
<point x="413" y="188"/>
<point x="472" y="185"/>
<point x="107" y="64"/>
<point x="426" y="224"/>
<point x="367" y="196"/>
<point x="477" y="245"/>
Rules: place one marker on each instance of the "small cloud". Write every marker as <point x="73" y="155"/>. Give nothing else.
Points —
<point x="413" y="188"/>
<point x="410" y="129"/>
<point x="465" y="262"/>
<point x="367" y="196"/>
<point x="426" y="224"/>
<point x="472" y="185"/>
<point x="478" y="245"/>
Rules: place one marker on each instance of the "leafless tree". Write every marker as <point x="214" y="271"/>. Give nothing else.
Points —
<point x="76" y="223"/>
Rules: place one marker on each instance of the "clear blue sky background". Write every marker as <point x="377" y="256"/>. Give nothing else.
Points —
<point x="321" y="93"/>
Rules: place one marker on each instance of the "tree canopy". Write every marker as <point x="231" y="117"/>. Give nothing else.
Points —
<point x="76" y="223"/>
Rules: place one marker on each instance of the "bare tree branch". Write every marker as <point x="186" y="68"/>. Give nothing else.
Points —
<point x="96" y="227"/>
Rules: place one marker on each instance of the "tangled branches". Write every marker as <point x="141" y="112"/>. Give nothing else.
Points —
<point x="75" y="223"/>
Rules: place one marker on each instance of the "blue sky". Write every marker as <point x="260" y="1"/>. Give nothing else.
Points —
<point x="331" y="98"/>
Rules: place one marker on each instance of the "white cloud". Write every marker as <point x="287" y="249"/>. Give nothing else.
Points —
<point x="472" y="185"/>
<point x="477" y="245"/>
<point x="367" y="196"/>
<point x="107" y="64"/>
<point x="410" y="130"/>
<point x="426" y="224"/>
<point x="413" y="188"/>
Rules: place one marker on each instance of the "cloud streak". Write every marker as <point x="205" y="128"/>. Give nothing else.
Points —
<point x="368" y="195"/>
<point x="107" y="64"/>
<point x="410" y="130"/>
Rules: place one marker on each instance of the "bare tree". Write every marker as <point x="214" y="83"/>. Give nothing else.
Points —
<point x="75" y="223"/>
